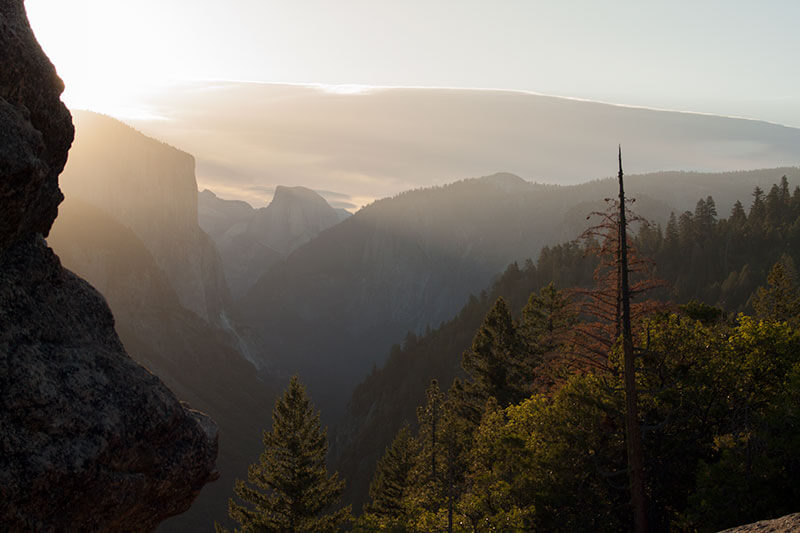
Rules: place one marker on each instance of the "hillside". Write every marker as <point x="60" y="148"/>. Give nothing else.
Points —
<point x="727" y="259"/>
<point x="252" y="240"/>
<point x="409" y="262"/>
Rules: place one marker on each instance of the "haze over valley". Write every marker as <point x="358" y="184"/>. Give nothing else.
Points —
<point x="354" y="148"/>
<point x="232" y="291"/>
<point x="413" y="266"/>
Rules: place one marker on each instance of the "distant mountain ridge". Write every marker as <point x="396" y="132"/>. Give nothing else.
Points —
<point x="251" y="240"/>
<point x="332" y="309"/>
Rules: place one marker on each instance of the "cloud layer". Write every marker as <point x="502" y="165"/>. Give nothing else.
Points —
<point x="356" y="146"/>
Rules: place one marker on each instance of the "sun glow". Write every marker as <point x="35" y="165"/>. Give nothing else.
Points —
<point x="108" y="67"/>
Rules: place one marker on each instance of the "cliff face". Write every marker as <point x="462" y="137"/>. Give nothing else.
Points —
<point x="197" y="361"/>
<point x="252" y="240"/>
<point x="784" y="524"/>
<point x="294" y="217"/>
<point x="90" y="440"/>
<point x="149" y="187"/>
<point x="37" y="130"/>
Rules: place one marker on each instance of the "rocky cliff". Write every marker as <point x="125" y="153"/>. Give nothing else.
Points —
<point x="90" y="440"/>
<point x="150" y="188"/>
<point x="252" y="240"/>
<point x="294" y="217"/>
<point x="196" y="360"/>
<point x="785" y="524"/>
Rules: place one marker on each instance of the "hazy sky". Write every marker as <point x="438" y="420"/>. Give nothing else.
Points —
<point x="727" y="57"/>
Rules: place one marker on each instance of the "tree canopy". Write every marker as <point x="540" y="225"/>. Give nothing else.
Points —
<point x="289" y="489"/>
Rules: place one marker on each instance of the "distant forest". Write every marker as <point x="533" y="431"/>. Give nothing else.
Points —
<point x="521" y="426"/>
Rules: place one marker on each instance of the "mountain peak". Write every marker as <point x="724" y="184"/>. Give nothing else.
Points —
<point x="284" y="193"/>
<point x="295" y="215"/>
<point x="506" y="181"/>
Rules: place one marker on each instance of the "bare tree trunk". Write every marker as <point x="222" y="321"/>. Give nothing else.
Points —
<point x="632" y="429"/>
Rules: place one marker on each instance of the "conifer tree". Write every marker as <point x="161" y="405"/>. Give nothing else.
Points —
<point x="757" y="214"/>
<point x="289" y="489"/>
<point x="391" y="485"/>
<point x="672" y="234"/>
<point x="633" y="435"/>
<point x="430" y="461"/>
<point x="780" y="300"/>
<point x="546" y="316"/>
<point x="547" y="320"/>
<point x="610" y="304"/>
<point x="738" y="216"/>
<point x="444" y="440"/>
<point x="496" y="361"/>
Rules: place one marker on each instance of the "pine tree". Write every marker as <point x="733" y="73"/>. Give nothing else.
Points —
<point x="444" y="440"/>
<point x="429" y="464"/>
<point x="610" y="304"/>
<point x="496" y="361"/>
<point x="546" y="316"/>
<point x="633" y="434"/>
<point x="705" y="216"/>
<point x="391" y="485"/>
<point x="757" y="214"/>
<point x="547" y="321"/>
<point x="738" y="217"/>
<point x="781" y="299"/>
<point x="293" y="491"/>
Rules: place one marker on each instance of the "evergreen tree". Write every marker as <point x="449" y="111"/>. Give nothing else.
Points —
<point x="794" y="203"/>
<point x="705" y="216"/>
<point x="441" y="463"/>
<point x="784" y="190"/>
<point x="390" y="487"/>
<point x="781" y="299"/>
<point x="497" y="476"/>
<point x="773" y="207"/>
<point x="429" y="466"/>
<point x="547" y="321"/>
<point x="757" y="214"/>
<point x="496" y="361"/>
<point x="738" y="217"/>
<point x="672" y="233"/>
<point x="293" y="491"/>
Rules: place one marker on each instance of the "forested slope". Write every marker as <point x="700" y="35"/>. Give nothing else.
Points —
<point x="719" y="261"/>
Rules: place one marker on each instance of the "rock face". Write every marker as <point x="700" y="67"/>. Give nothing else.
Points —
<point x="150" y="188"/>
<point x="252" y="240"/>
<point x="199" y="362"/>
<point x="294" y="217"/>
<point x="89" y="440"/>
<point x="784" y="524"/>
<point x="36" y="130"/>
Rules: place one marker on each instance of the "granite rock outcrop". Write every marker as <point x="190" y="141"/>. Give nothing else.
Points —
<point x="149" y="187"/>
<point x="784" y="524"/>
<point x="252" y="240"/>
<point x="89" y="440"/>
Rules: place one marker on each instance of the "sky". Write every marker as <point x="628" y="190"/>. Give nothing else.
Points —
<point x="727" y="57"/>
<point x="127" y="59"/>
